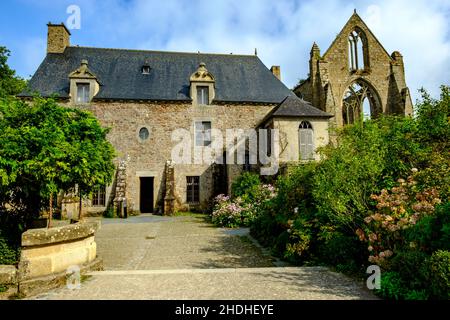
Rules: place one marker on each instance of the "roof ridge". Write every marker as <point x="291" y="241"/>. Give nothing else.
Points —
<point x="162" y="51"/>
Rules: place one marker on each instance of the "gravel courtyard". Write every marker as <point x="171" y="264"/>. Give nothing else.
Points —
<point x="185" y="257"/>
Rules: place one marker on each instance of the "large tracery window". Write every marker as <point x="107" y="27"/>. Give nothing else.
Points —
<point x="357" y="50"/>
<point x="360" y="100"/>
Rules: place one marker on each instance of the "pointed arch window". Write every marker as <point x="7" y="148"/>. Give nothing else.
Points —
<point x="357" y="50"/>
<point x="360" y="101"/>
<point x="306" y="140"/>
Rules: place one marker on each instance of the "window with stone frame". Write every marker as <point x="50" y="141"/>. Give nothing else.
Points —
<point x="203" y="95"/>
<point x="306" y="140"/>
<point x="357" y="50"/>
<point x="361" y="101"/>
<point x="83" y="93"/>
<point x="202" y="133"/>
<point x="193" y="189"/>
<point x="99" y="197"/>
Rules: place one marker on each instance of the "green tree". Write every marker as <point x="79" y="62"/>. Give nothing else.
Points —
<point x="10" y="84"/>
<point x="48" y="148"/>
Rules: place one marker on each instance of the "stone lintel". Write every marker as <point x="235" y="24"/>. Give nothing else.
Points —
<point x="39" y="237"/>
<point x="146" y="173"/>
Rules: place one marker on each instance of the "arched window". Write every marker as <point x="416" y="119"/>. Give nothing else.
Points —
<point x="360" y="99"/>
<point x="357" y="50"/>
<point x="306" y="140"/>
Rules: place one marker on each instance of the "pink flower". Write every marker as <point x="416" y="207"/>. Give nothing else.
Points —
<point x="373" y="237"/>
<point x="388" y="253"/>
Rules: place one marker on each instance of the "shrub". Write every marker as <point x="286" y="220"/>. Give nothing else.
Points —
<point x="9" y="252"/>
<point x="231" y="214"/>
<point x="109" y="213"/>
<point x="413" y="267"/>
<point x="246" y="186"/>
<point x="392" y="286"/>
<point x="432" y="232"/>
<point x="440" y="274"/>
<point x="343" y="251"/>
<point x="248" y="199"/>
<point x="398" y="209"/>
<point x="355" y="188"/>
<point x="417" y="295"/>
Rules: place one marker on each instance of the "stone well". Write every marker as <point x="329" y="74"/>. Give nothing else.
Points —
<point x="47" y="254"/>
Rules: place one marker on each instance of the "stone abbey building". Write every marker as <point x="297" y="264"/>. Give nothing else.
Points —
<point x="146" y="96"/>
<point x="356" y="77"/>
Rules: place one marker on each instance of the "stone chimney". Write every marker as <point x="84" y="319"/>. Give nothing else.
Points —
<point x="276" y="71"/>
<point x="58" y="38"/>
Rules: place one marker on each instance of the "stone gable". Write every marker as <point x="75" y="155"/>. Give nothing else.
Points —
<point x="330" y="74"/>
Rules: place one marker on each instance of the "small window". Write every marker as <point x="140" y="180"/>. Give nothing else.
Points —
<point x="203" y="95"/>
<point x="146" y="70"/>
<point x="83" y="95"/>
<point x="144" y="133"/>
<point x="269" y="141"/>
<point x="193" y="190"/>
<point x="247" y="166"/>
<point x="99" y="197"/>
<point x="306" y="140"/>
<point x="203" y="133"/>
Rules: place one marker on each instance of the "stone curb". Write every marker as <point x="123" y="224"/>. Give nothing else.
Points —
<point x="40" y="285"/>
<point x="8" y="275"/>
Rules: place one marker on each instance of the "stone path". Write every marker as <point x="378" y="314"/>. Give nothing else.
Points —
<point x="153" y="242"/>
<point x="152" y="257"/>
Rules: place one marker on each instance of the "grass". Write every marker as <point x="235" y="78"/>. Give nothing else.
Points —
<point x="189" y="214"/>
<point x="245" y="239"/>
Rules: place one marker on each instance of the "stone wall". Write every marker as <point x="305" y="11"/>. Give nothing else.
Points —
<point x="289" y="136"/>
<point x="148" y="158"/>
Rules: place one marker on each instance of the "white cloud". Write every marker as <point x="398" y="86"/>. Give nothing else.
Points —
<point x="283" y="31"/>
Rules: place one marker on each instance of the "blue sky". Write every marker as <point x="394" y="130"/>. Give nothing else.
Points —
<point x="282" y="31"/>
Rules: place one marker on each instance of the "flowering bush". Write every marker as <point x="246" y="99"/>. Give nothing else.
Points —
<point x="237" y="212"/>
<point x="397" y="210"/>
<point x="230" y="213"/>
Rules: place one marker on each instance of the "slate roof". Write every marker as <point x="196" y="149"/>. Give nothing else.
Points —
<point x="239" y="78"/>
<point x="293" y="106"/>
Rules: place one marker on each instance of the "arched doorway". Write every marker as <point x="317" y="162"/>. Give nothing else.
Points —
<point x="360" y="100"/>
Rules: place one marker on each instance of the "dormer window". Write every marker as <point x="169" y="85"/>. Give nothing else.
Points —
<point x="202" y="86"/>
<point x="83" y="84"/>
<point x="203" y="95"/>
<point x="83" y="92"/>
